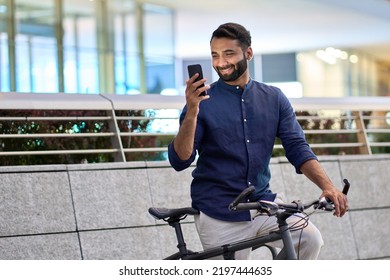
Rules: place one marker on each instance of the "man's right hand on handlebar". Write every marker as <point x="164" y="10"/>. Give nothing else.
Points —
<point x="338" y="198"/>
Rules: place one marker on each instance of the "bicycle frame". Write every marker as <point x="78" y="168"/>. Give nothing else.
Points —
<point x="228" y="250"/>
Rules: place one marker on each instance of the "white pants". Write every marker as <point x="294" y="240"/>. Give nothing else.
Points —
<point x="213" y="232"/>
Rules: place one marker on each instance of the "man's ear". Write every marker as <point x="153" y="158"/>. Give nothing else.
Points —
<point x="249" y="53"/>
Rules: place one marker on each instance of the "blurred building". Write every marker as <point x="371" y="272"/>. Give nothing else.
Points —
<point x="131" y="46"/>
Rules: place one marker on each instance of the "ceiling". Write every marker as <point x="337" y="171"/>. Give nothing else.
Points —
<point x="285" y="25"/>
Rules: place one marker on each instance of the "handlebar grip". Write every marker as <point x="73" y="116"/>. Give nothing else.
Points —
<point x="346" y="186"/>
<point x="327" y="204"/>
<point x="242" y="195"/>
<point x="247" y="206"/>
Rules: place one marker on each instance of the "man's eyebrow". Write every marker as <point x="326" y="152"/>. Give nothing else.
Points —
<point x="224" y="51"/>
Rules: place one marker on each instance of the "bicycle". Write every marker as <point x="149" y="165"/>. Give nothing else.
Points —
<point x="282" y="211"/>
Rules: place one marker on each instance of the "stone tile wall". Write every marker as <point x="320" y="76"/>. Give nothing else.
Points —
<point x="99" y="211"/>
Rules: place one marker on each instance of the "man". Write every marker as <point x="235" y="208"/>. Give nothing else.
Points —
<point x="233" y="129"/>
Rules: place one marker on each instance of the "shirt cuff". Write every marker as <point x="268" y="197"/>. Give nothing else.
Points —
<point x="175" y="161"/>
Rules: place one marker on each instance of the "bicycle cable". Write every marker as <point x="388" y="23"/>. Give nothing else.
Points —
<point x="299" y="226"/>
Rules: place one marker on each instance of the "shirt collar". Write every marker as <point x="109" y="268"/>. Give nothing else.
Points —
<point x="233" y="88"/>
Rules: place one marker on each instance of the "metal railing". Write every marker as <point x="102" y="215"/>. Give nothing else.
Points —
<point x="126" y="125"/>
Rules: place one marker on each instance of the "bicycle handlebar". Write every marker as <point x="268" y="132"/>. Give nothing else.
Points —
<point x="272" y="207"/>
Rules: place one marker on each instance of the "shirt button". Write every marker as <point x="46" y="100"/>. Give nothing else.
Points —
<point x="237" y="87"/>
<point x="242" y="100"/>
<point x="244" y="120"/>
<point x="247" y="141"/>
<point x="249" y="183"/>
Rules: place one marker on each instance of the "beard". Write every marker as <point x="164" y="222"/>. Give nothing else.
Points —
<point x="239" y="69"/>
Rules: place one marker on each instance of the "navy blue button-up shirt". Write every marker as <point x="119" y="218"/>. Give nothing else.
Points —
<point x="235" y="134"/>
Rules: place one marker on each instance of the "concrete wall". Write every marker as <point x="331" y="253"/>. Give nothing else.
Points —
<point x="99" y="211"/>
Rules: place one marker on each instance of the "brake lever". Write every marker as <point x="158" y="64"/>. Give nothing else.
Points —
<point x="324" y="204"/>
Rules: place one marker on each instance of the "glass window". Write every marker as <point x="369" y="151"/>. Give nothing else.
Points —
<point x="159" y="48"/>
<point x="127" y="74"/>
<point x="336" y="72"/>
<point x="80" y="50"/>
<point x="35" y="46"/>
<point x="4" y="62"/>
<point x="85" y="48"/>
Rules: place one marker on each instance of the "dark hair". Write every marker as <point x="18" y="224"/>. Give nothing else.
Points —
<point x="233" y="31"/>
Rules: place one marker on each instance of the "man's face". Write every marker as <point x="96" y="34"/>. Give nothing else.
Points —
<point x="229" y="60"/>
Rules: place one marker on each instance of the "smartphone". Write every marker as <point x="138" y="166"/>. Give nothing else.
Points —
<point x="192" y="70"/>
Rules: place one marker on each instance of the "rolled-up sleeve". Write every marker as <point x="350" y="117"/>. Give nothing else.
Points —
<point x="175" y="161"/>
<point x="293" y="139"/>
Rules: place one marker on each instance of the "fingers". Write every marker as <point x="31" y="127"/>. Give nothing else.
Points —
<point x="341" y="205"/>
<point x="344" y="207"/>
<point x="195" y="88"/>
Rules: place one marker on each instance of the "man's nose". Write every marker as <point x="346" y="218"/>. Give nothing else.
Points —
<point x="220" y="62"/>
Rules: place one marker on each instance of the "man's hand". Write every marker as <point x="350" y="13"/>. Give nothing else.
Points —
<point x="193" y="97"/>
<point x="314" y="171"/>
<point x="339" y="200"/>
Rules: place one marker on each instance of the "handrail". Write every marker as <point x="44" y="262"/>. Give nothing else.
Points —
<point x="59" y="152"/>
<point x="107" y="110"/>
<point x="79" y="118"/>
<point x="61" y="101"/>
